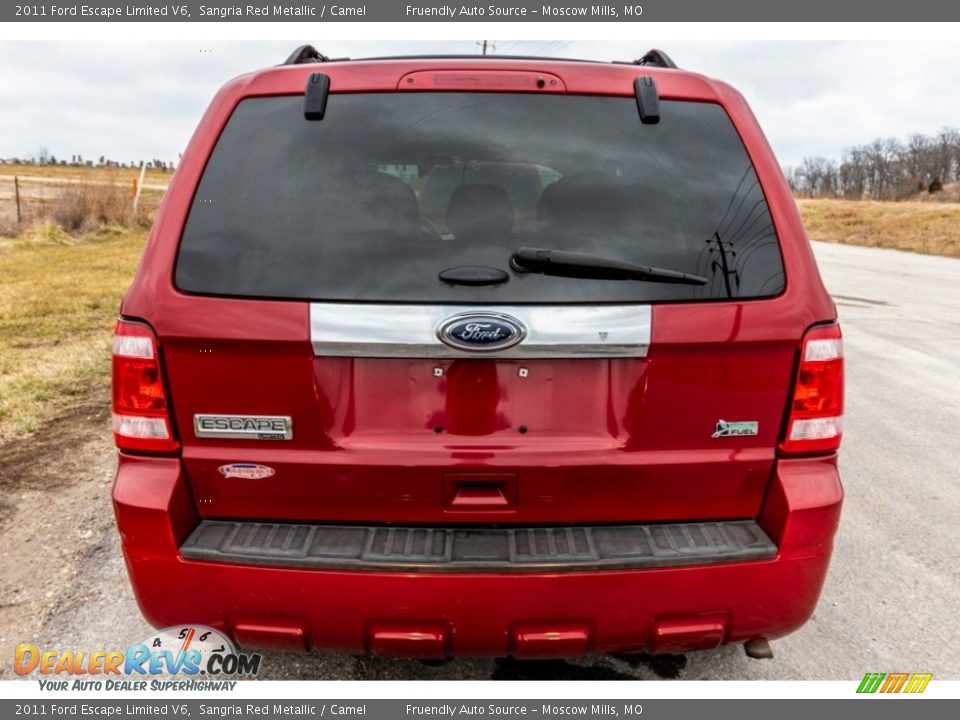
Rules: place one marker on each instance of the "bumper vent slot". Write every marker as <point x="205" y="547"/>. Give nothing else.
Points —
<point x="471" y="549"/>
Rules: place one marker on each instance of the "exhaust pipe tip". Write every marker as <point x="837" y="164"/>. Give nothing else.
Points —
<point x="758" y="649"/>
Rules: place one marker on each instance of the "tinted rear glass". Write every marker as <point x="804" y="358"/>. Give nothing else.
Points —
<point x="390" y="189"/>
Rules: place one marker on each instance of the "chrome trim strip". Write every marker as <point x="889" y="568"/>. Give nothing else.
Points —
<point x="410" y="331"/>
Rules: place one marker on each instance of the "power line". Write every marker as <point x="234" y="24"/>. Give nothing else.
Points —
<point x="542" y="48"/>
<point x="560" y="47"/>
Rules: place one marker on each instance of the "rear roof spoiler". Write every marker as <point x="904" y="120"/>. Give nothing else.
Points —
<point x="306" y="54"/>
<point x="318" y="84"/>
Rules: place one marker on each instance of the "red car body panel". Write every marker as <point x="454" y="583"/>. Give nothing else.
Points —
<point x="627" y="440"/>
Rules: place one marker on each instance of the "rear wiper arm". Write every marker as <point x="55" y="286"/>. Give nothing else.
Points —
<point x="593" y="267"/>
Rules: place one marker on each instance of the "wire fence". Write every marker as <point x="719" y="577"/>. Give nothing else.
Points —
<point x="74" y="202"/>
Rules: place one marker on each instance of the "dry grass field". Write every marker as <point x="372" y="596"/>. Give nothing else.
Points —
<point x="63" y="269"/>
<point x="92" y="174"/>
<point x="59" y="297"/>
<point x="932" y="228"/>
<point x="78" y="203"/>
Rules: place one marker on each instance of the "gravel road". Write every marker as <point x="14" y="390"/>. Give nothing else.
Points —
<point x="890" y="602"/>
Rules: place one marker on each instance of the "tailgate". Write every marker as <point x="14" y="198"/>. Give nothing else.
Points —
<point x="465" y="439"/>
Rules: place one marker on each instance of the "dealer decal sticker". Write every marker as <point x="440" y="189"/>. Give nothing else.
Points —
<point x="247" y="471"/>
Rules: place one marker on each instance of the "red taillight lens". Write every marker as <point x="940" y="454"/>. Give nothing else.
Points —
<point x="141" y="419"/>
<point x="816" y="411"/>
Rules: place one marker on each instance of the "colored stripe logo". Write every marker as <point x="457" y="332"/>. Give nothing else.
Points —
<point x="894" y="682"/>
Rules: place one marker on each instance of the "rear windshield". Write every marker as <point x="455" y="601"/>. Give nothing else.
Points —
<point x="390" y="189"/>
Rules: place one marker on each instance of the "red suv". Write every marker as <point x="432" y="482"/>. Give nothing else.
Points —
<point x="607" y="421"/>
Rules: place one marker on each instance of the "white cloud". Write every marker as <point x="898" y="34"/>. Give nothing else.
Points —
<point x="142" y="100"/>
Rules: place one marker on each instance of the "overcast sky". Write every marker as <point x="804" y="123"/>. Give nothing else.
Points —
<point x="143" y="100"/>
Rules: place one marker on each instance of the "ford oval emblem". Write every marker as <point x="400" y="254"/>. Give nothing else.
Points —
<point x="481" y="332"/>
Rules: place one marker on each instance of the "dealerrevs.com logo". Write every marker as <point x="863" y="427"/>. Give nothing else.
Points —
<point x="187" y="652"/>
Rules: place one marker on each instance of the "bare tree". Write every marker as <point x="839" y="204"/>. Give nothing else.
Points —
<point x="884" y="169"/>
<point x="817" y="177"/>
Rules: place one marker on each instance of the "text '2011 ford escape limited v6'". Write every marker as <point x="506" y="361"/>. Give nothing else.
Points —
<point x="449" y="356"/>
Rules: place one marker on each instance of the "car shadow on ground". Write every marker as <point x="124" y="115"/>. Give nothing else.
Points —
<point x="666" y="667"/>
<point x="325" y="666"/>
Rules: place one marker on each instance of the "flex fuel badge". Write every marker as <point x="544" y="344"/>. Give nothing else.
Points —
<point x="726" y="428"/>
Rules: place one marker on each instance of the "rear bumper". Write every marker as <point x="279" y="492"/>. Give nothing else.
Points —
<point x="435" y="614"/>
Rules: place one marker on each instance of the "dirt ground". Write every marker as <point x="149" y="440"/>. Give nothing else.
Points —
<point x="52" y="519"/>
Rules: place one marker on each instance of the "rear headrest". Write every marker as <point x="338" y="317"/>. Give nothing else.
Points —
<point x="476" y="210"/>
<point x="386" y="202"/>
<point x="585" y="201"/>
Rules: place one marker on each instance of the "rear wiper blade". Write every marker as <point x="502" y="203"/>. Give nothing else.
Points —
<point x="593" y="267"/>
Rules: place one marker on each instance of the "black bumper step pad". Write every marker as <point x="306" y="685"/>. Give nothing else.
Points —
<point x="446" y="549"/>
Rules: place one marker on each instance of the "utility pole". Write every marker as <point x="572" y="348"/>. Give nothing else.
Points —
<point x="136" y="196"/>
<point x="724" y="249"/>
<point x="484" y="44"/>
<point x="16" y="192"/>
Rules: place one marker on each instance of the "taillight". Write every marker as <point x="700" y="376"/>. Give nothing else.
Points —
<point x="141" y="414"/>
<point x="816" y="411"/>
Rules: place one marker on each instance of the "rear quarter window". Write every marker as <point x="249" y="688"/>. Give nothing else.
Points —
<point x="373" y="202"/>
